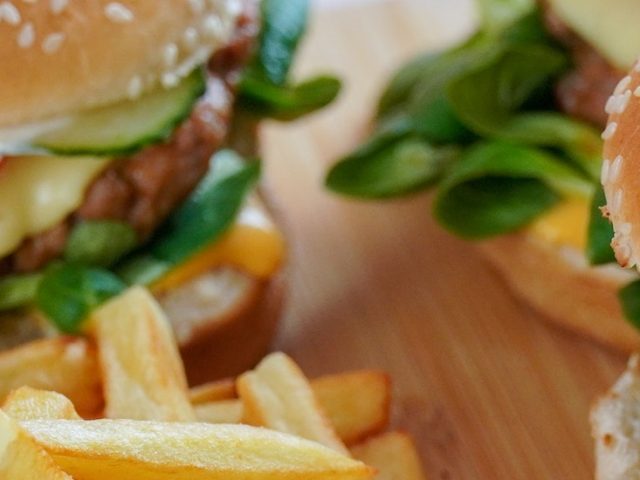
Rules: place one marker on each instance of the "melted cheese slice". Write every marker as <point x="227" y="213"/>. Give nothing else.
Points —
<point x="253" y="244"/>
<point x="564" y="225"/>
<point x="37" y="193"/>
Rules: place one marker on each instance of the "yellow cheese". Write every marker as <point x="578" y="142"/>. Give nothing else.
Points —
<point x="253" y="245"/>
<point x="565" y="225"/>
<point x="37" y="193"/>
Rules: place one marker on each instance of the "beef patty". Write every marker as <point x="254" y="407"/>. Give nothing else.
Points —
<point x="142" y="190"/>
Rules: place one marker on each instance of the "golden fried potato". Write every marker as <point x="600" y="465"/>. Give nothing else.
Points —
<point x="27" y="403"/>
<point x="134" y="450"/>
<point x="277" y="395"/>
<point x="393" y="454"/>
<point x="63" y="364"/>
<point x="224" y="389"/>
<point x="357" y="403"/>
<point x="21" y="458"/>
<point x="222" y="411"/>
<point x="143" y="375"/>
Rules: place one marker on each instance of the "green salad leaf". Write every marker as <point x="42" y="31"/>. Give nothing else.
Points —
<point x="486" y="98"/>
<point x="491" y="100"/>
<point x="283" y="25"/>
<point x="99" y="242"/>
<point x="18" y="290"/>
<point x="386" y="169"/>
<point x="630" y="299"/>
<point x="599" y="249"/>
<point x="283" y="102"/>
<point x="68" y="292"/>
<point x="498" y="187"/>
<point x="265" y="89"/>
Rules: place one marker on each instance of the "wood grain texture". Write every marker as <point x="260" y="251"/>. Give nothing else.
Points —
<point x="488" y="389"/>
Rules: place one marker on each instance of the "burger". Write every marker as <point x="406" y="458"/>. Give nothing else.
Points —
<point x="127" y="156"/>
<point x="615" y="417"/>
<point x="506" y="129"/>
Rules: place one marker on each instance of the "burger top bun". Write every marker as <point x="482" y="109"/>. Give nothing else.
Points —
<point x="61" y="56"/>
<point x="621" y="168"/>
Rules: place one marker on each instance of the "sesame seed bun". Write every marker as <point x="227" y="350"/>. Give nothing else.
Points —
<point x="615" y="421"/>
<point x="558" y="282"/>
<point x="620" y="166"/>
<point x="64" y="56"/>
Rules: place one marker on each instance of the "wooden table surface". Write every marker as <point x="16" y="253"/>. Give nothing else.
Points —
<point x="486" y="386"/>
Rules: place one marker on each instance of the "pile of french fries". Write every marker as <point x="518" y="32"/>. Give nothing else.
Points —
<point x="116" y="405"/>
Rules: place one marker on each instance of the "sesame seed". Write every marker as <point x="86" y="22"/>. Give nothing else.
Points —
<point x="234" y="7"/>
<point x="170" y="54"/>
<point x="604" y="173"/>
<point x="622" y="85"/>
<point x="27" y="35"/>
<point x="616" y="167"/>
<point x="637" y="67"/>
<point x="610" y="131"/>
<point x="52" y="42"/>
<point x="118" y="13"/>
<point x="616" y="203"/>
<point x="611" y="103"/>
<point x="625" y="229"/>
<point x="135" y="87"/>
<point x="636" y="92"/>
<point x="190" y="38"/>
<point x="623" y="254"/>
<point x="197" y="6"/>
<point x="169" y="80"/>
<point x="9" y="13"/>
<point x="211" y="26"/>
<point x="623" y="101"/>
<point x="57" y="6"/>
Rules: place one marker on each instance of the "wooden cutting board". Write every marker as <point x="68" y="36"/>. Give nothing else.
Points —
<point x="486" y="386"/>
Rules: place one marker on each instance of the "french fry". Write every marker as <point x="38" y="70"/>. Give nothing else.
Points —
<point x="21" y="457"/>
<point x="62" y="364"/>
<point x="393" y="454"/>
<point x="357" y="403"/>
<point x="142" y="371"/>
<point x="27" y="403"/>
<point x="222" y="411"/>
<point x="133" y="450"/>
<point x="224" y="389"/>
<point x="277" y="395"/>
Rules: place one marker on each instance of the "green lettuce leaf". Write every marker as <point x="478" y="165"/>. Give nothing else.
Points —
<point x="498" y="187"/>
<point x="68" y="292"/>
<point x="599" y="249"/>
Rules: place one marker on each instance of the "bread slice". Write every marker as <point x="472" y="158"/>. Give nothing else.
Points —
<point x="558" y="282"/>
<point x="615" y="421"/>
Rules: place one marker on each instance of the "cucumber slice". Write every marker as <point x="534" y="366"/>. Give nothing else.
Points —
<point x="127" y="126"/>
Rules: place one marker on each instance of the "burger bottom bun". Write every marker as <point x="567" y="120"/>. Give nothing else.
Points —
<point x="558" y="282"/>
<point x="229" y="342"/>
<point x="615" y="422"/>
